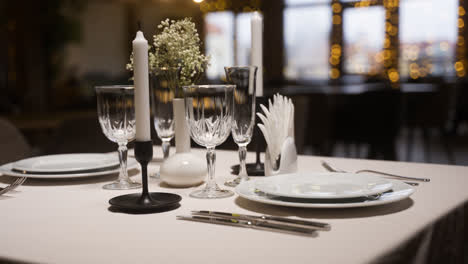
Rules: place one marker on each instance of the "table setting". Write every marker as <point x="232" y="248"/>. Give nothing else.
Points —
<point x="188" y="206"/>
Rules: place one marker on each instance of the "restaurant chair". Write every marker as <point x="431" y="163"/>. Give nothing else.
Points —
<point x="316" y="121"/>
<point x="79" y="135"/>
<point x="14" y="145"/>
<point x="427" y="112"/>
<point x="371" y="118"/>
<point x="461" y="105"/>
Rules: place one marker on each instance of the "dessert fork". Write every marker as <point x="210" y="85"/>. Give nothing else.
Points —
<point x="327" y="166"/>
<point x="13" y="185"/>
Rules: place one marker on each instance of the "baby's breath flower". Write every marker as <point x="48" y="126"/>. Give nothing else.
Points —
<point x="177" y="45"/>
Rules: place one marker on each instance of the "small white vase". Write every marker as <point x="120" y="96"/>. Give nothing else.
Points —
<point x="183" y="169"/>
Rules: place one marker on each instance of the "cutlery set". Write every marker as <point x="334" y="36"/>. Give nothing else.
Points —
<point x="262" y="222"/>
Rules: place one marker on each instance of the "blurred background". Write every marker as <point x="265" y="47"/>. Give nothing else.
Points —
<point x="379" y="79"/>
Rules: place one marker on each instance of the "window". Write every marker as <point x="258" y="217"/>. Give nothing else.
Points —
<point x="428" y="36"/>
<point x="218" y="42"/>
<point x="364" y="34"/>
<point x="307" y="27"/>
<point x="227" y="41"/>
<point x="243" y="39"/>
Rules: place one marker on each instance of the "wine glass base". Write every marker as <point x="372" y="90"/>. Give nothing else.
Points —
<point x="211" y="194"/>
<point x="122" y="185"/>
<point x="235" y="182"/>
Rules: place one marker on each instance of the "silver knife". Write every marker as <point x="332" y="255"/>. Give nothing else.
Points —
<point x="271" y="219"/>
<point x="260" y="225"/>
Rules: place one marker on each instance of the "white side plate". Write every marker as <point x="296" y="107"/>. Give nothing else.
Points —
<point x="7" y="170"/>
<point x="400" y="191"/>
<point x="328" y="185"/>
<point x="66" y="163"/>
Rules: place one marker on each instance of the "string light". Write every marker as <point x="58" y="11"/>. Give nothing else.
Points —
<point x="336" y="8"/>
<point x="461" y="62"/>
<point x="336" y="19"/>
<point x="336" y="41"/>
<point x="231" y="5"/>
<point x="461" y="23"/>
<point x="334" y="73"/>
<point x="391" y="49"/>
<point x="393" y="75"/>
<point x="461" y="11"/>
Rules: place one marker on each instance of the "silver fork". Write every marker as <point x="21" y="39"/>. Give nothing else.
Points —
<point x="13" y="185"/>
<point x="327" y="166"/>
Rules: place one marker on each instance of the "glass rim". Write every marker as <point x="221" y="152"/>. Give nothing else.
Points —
<point x="114" y="88"/>
<point x="210" y="87"/>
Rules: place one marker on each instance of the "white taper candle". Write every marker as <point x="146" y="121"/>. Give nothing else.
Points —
<point x="256" y="23"/>
<point x="141" y="83"/>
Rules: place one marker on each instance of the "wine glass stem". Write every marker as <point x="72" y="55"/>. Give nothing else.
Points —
<point x="242" y="157"/>
<point x="123" y="176"/>
<point x="211" y="159"/>
<point x="165" y="148"/>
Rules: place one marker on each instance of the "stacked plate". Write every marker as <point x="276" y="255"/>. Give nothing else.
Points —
<point x="324" y="190"/>
<point x="65" y="166"/>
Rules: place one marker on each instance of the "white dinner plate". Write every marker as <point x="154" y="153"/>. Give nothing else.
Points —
<point x="67" y="163"/>
<point x="327" y="185"/>
<point x="7" y="170"/>
<point x="400" y="191"/>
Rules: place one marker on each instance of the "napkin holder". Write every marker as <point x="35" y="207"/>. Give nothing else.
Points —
<point x="287" y="162"/>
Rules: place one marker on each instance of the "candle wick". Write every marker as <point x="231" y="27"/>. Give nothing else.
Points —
<point x="139" y="25"/>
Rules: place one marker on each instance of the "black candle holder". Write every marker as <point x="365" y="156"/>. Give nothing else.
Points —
<point x="145" y="202"/>
<point x="257" y="168"/>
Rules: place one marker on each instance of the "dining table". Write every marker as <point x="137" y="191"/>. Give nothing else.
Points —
<point x="71" y="221"/>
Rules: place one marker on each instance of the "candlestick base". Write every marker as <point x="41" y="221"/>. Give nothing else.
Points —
<point x="154" y="203"/>
<point x="145" y="202"/>
<point x="253" y="169"/>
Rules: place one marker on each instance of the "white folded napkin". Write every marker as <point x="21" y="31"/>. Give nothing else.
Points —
<point x="278" y="124"/>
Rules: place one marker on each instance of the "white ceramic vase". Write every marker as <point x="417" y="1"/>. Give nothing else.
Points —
<point x="182" y="169"/>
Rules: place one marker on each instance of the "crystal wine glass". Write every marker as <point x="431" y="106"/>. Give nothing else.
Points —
<point x="243" y="116"/>
<point x="163" y="85"/>
<point x="208" y="110"/>
<point x="116" y="113"/>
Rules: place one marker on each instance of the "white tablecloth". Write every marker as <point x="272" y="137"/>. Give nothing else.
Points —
<point x="69" y="221"/>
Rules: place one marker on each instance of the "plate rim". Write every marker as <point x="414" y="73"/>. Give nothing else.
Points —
<point x="6" y="170"/>
<point x="398" y="185"/>
<point x="17" y="164"/>
<point x="388" y="185"/>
